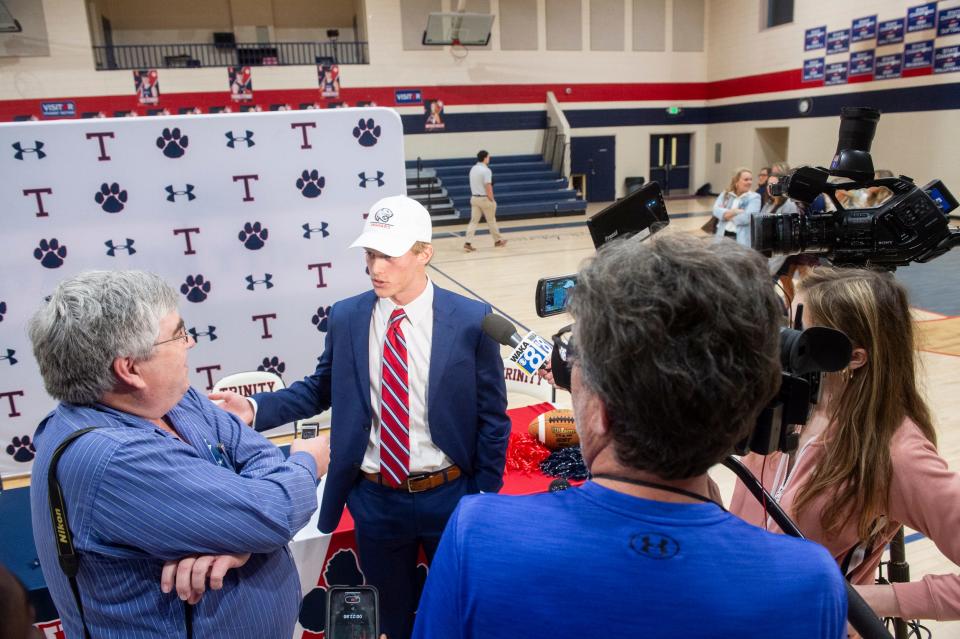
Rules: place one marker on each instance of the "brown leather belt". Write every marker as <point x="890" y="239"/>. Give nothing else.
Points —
<point x="420" y="482"/>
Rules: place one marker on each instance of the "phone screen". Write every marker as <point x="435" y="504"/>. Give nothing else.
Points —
<point x="553" y="293"/>
<point x="308" y="431"/>
<point x="352" y="613"/>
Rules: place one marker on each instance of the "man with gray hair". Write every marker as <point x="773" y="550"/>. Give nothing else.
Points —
<point x="674" y="354"/>
<point x="162" y="476"/>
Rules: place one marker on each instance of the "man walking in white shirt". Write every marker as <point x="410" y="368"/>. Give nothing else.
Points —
<point x="482" y="203"/>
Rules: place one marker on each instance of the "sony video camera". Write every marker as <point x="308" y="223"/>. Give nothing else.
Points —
<point x="894" y="223"/>
<point x="804" y="355"/>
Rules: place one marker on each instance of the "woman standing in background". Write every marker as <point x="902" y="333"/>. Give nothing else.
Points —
<point x="736" y="206"/>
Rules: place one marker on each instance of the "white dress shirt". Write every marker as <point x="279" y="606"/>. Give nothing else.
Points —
<point x="417" y="330"/>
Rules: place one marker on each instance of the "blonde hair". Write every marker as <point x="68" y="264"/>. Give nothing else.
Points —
<point x="871" y="307"/>
<point x="736" y="178"/>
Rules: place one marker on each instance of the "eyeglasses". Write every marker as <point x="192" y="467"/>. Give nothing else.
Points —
<point x="181" y="334"/>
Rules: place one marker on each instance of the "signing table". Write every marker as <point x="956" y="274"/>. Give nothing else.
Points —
<point x="323" y="560"/>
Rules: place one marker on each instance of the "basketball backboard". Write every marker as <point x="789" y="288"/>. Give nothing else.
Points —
<point x="466" y="29"/>
<point x="8" y="24"/>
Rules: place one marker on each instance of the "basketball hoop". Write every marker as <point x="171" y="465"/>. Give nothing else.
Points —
<point x="457" y="50"/>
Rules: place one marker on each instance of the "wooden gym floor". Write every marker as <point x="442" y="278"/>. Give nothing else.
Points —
<point x="506" y="278"/>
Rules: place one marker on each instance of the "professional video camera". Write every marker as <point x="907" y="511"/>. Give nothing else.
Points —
<point x="909" y="226"/>
<point x="804" y="355"/>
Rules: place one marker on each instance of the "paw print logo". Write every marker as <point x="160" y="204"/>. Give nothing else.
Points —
<point x="21" y="449"/>
<point x="50" y="253"/>
<point x="111" y="197"/>
<point x="311" y="183"/>
<point x="3" y="310"/>
<point x="320" y="318"/>
<point x="253" y="236"/>
<point x="172" y="143"/>
<point x="272" y="365"/>
<point x="195" y="288"/>
<point x="367" y="132"/>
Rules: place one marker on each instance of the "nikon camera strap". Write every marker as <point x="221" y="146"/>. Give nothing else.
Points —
<point x="66" y="553"/>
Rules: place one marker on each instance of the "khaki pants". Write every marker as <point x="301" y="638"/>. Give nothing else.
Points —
<point x="482" y="207"/>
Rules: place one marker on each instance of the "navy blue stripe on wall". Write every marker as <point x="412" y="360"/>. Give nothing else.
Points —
<point x="933" y="97"/>
<point x="491" y="121"/>
<point x="923" y="98"/>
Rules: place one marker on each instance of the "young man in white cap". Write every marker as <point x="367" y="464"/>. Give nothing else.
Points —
<point x="420" y="407"/>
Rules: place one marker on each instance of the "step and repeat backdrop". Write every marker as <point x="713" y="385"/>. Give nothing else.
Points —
<point x="248" y="216"/>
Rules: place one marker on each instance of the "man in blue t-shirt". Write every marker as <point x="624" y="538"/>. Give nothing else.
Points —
<point x="675" y="352"/>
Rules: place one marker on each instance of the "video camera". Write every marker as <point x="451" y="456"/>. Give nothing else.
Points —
<point x="910" y="225"/>
<point x="804" y="355"/>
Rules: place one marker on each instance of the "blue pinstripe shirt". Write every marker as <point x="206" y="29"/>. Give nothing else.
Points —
<point x="137" y="496"/>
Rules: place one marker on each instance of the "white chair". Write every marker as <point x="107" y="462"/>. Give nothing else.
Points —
<point x="250" y="382"/>
<point x="519" y="382"/>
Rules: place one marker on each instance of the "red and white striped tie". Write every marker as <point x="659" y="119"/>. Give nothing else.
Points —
<point x="394" y="405"/>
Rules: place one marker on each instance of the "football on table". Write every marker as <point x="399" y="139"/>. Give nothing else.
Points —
<point x="555" y="429"/>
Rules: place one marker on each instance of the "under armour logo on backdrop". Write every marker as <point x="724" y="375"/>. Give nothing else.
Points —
<point x="266" y="281"/>
<point x="36" y="149"/>
<point x="364" y="179"/>
<point x="113" y="247"/>
<point x="9" y="357"/>
<point x="310" y="230"/>
<point x="233" y="139"/>
<point x="211" y="333"/>
<point x="172" y="193"/>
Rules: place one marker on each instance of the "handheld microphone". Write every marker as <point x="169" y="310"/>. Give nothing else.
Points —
<point x="529" y="352"/>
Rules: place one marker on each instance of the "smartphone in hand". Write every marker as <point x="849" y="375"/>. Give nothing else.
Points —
<point x="353" y="612"/>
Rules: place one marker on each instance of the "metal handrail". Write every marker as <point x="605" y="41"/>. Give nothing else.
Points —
<point x="549" y="135"/>
<point x="162" y="56"/>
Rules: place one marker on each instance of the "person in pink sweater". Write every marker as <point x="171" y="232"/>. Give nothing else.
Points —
<point x="867" y="460"/>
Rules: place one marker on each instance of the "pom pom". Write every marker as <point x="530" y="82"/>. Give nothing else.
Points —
<point x="566" y="463"/>
<point x="524" y="453"/>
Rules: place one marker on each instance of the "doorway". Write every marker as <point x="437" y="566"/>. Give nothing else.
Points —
<point x="770" y="145"/>
<point x="670" y="162"/>
<point x="595" y="159"/>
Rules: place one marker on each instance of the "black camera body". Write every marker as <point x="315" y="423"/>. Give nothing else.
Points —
<point x="804" y="356"/>
<point x="909" y="226"/>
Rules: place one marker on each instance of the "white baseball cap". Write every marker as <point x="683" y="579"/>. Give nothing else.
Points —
<point x="394" y="224"/>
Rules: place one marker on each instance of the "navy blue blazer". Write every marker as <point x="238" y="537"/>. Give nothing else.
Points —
<point x="466" y="406"/>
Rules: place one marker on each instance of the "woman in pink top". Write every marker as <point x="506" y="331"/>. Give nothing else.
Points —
<point x="867" y="460"/>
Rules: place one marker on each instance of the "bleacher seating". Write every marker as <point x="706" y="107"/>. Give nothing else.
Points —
<point x="525" y="187"/>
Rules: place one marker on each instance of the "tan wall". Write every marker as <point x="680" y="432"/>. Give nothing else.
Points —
<point x="169" y="14"/>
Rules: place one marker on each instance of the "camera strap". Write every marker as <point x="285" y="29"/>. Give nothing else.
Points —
<point x="66" y="553"/>
<point x="658" y="486"/>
